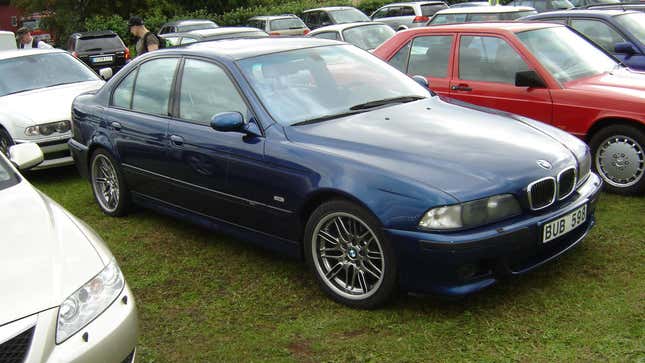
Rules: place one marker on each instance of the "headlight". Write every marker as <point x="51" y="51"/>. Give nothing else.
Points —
<point x="48" y="129"/>
<point x="584" y="166"/>
<point x="471" y="214"/>
<point x="89" y="301"/>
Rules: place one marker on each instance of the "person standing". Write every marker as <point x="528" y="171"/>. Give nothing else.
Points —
<point x="147" y="40"/>
<point x="26" y="41"/>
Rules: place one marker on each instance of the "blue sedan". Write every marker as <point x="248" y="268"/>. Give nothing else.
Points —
<point x="321" y="151"/>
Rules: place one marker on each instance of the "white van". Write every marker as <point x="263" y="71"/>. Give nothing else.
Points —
<point x="7" y="40"/>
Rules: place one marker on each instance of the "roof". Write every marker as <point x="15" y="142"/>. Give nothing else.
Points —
<point x="188" y="22"/>
<point x="497" y="27"/>
<point x="580" y="13"/>
<point x="222" y="31"/>
<point x="15" y="53"/>
<point x="235" y="49"/>
<point x="273" y="17"/>
<point x="6" y="32"/>
<point x="93" y="34"/>
<point x="330" y="8"/>
<point x="408" y="3"/>
<point x="484" y="10"/>
<point x="343" y="26"/>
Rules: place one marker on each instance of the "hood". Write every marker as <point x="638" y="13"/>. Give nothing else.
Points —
<point x="44" y="256"/>
<point x="466" y="153"/>
<point x="623" y="83"/>
<point x="44" y="105"/>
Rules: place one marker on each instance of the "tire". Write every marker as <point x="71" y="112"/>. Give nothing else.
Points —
<point x="5" y="141"/>
<point x="108" y="185"/>
<point x="357" y="266"/>
<point x="619" y="158"/>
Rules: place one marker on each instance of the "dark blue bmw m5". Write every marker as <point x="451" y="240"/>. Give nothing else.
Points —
<point x="320" y="150"/>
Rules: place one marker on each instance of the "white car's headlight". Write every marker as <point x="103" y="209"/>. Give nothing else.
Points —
<point x="471" y="214"/>
<point x="48" y="128"/>
<point x="89" y="301"/>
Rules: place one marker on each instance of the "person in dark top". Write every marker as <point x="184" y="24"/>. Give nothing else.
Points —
<point x="148" y="41"/>
<point x="24" y="40"/>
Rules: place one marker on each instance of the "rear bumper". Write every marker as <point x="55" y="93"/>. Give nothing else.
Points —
<point x="464" y="262"/>
<point x="55" y="151"/>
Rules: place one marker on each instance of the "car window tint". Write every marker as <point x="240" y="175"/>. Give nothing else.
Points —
<point x="152" y="89"/>
<point x="393" y="11"/>
<point x="122" y="96"/>
<point x="484" y="17"/>
<point x="407" y="11"/>
<point x="327" y="35"/>
<point x="488" y="59"/>
<point x="324" y="18"/>
<point x="400" y="59"/>
<point x="381" y="13"/>
<point x="430" y="56"/>
<point x="598" y="31"/>
<point x="206" y="91"/>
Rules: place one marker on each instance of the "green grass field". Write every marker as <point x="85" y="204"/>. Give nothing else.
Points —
<point x="207" y="297"/>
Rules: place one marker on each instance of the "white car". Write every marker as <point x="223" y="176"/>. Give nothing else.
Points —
<point x="7" y="40"/>
<point x="64" y="298"/>
<point x="37" y="88"/>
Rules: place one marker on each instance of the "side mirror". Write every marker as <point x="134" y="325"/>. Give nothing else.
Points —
<point x="106" y="73"/>
<point x="228" y="121"/>
<point x="625" y="48"/>
<point x="529" y="79"/>
<point x="423" y="81"/>
<point x="25" y="156"/>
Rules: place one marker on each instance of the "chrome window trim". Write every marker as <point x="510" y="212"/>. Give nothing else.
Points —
<point x="555" y="192"/>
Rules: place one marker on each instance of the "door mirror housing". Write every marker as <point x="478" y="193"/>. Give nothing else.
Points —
<point x="625" y="48"/>
<point x="25" y="156"/>
<point x="106" y="73"/>
<point x="228" y="121"/>
<point x="423" y="81"/>
<point x="529" y="79"/>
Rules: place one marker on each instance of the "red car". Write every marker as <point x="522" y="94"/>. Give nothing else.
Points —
<point x="543" y="71"/>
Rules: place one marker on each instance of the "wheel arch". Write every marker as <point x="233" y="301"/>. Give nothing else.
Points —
<point x="611" y="121"/>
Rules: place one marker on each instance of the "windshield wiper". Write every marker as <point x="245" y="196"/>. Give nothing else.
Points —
<point x="326" y="118"/>
<point x="386" y="101"/>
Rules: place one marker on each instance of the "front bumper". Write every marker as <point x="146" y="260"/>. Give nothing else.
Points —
<point x="460" y="263"/>
<point x="55" y="151"/>
<point x="111" y="337"/>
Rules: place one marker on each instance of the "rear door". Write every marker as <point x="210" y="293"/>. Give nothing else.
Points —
<point x="485" y="69"/>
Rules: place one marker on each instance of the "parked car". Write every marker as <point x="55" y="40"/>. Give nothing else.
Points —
<point x="469" y="4"/>
<point x="316" y="18"/>
<point x="7" y="40"/>
<point x="543" y="5"/>
<point x="622" y="6"/>
<point x="621" y="33"/>
<point x="543" y="71"/>
<point x="480" y="14"/>
<point x="366" y="36"/>
<point x="64" y="298"/>
<point x="586" y="3"/>
<point x="182" y="26"/>
<point x="407" y="15"/>
<point x="99" y="49"/>
<point x="279" y="25"/>
<point x="228" y="32"/>
<point x="319" y="150"/>
<point x="36" y="92"/>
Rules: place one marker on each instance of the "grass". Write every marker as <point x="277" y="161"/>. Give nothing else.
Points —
<point x="207" y="297"/>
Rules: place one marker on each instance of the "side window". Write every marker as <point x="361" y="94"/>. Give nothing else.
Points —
<point x="152" y="90"/>
<point x="206" y="91"/>
<point x="400" y="59"/>
<point x="327" y="35"/>
<point x="407" y="11"/>
<point x="394" y="11"/>
<point x="324" y="19"/>
<point x="488" y="59"/>
<point x="430" y="56"/>
<point x="122" y="96"/>
<point x="598" y="31"/>
<point x="381" y="13"/>
<point x="187" y="40"/>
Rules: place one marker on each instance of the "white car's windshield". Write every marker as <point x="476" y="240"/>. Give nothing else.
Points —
<point x="7" y="176"/>
<point x="36" y="71"/>
<point x="565" y="54"/>
<point x="313" y="84"/>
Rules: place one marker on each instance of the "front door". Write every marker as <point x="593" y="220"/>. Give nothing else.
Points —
<point x="485" y="75"/>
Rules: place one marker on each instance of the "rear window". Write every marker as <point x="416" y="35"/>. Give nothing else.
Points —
<point x="430" y="9"/>
<point x="285" y="24"/>
<point x="348" y="16"/>
<point x="99" y="43"/>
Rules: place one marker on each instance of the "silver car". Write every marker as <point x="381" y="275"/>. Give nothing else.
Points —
<point x="400" y="16"/>
<point x="64" y="298"/>
<point x="279" y="25"/>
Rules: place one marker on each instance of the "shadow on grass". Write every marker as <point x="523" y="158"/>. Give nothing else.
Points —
<point x="53" y="175"/>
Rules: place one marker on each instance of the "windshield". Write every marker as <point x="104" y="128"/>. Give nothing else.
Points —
<point x="634" y="23"/>
<point x="7" y="176"/>
<point x="369" y="36"/>
<point x="565" y="54"/>
<point x="36" y="71"/>
<point x="347" y="16"/>
<point x="100" y="43"/>
<point x="285" y="24"/>
<point x="324" y="82"/>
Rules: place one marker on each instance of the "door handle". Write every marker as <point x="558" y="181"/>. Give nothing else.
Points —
<point x="115" y="125"/>
<point x="176" y="140"/>
<point x="461" y="87"/>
